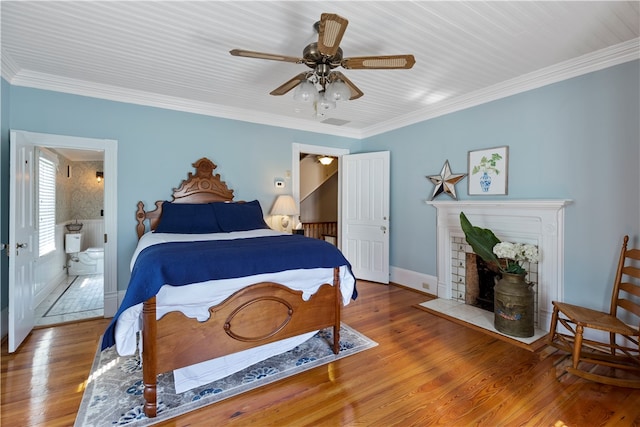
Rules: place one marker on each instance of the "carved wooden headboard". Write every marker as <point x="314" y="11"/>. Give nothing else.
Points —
<point x="203" y="187"/>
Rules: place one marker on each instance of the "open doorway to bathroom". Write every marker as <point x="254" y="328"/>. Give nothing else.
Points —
<point x="70" y="280"/>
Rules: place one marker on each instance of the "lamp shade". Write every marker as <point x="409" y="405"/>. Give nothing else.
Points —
<point x="284" y="205"/>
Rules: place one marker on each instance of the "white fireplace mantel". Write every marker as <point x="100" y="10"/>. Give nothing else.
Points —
<point x="539" y="222"/>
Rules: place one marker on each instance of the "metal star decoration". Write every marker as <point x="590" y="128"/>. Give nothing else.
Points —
<point x="445" y="182"/>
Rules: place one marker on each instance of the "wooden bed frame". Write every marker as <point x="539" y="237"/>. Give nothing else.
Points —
<point x="258" y="314"/>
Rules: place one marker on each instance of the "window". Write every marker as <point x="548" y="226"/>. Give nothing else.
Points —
<point x="47" y="165"/>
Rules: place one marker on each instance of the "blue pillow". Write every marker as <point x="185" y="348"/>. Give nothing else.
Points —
<point x="188" y="218"/>
<point x="239" y="216"/>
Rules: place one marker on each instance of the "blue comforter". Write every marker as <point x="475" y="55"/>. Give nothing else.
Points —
<point x="182" y="263"/>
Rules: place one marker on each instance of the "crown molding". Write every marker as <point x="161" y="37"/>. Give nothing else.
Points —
<point x="113" y="93"/>
<point x="595" y="61"/>
<point x="9" y="68"/>
<point x="604" y="58"/>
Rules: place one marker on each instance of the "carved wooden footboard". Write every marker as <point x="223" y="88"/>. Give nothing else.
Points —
<point x="259" y="314"/>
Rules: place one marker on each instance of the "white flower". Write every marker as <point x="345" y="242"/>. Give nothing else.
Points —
<point x="515" y="254"/>
<point x="516" y="251"/>
<point x="505" y="250"/>
<point x="531" y="253"/>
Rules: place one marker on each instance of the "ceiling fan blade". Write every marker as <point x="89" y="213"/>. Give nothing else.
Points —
<point x="355" y="92"/>
<point x="379" y="62"/>
<point x="262" y="55"/>
<point x="330" y="31"/>
<point x="286" y="87"/>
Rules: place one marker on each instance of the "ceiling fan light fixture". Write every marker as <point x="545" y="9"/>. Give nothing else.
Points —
<point x="322" y="86"/>
<point x="305" y="92"/>
<point x="338" y="91"/>
<point x="326" y="103"/>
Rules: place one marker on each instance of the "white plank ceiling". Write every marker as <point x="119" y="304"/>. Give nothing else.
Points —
<point x="176" y="54"/>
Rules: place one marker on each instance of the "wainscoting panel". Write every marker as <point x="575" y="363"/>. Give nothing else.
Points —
<point x="92" y="233"/>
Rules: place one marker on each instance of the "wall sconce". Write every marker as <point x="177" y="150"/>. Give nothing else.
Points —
<point x="99" y="176"/>
<point x="285" y="206"/>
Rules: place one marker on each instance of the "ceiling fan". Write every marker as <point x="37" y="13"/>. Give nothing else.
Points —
<point x="322" y="83"/>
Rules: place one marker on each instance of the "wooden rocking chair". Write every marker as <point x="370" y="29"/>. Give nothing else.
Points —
<point x="616" y="362"/>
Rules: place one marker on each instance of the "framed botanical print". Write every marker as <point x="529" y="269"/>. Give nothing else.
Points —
<point x="488" y="171"/>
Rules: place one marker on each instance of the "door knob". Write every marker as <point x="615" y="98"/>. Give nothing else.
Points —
<point x="20" y="246"/>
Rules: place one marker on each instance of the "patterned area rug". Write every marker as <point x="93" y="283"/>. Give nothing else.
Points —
<point x="113" y="396"/>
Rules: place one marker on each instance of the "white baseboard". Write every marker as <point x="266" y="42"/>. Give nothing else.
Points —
<point x="414" y="280"/>
<point x="112" y="302"/>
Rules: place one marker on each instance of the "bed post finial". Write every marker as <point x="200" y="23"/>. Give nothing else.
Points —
<point x="204" y="167"/>
<point x="140" y="217"/>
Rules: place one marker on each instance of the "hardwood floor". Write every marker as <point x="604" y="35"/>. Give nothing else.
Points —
<point x="425" y="371"/>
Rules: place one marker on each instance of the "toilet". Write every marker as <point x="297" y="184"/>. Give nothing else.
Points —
<point x="90" y="261"/>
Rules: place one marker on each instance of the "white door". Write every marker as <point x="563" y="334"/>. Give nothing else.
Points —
<point x="22" y="239"/>
<point x="22" y="217"/>
<point x="365" y="214"/>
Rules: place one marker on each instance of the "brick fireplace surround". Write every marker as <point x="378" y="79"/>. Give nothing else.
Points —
<point x="539" y="222"/>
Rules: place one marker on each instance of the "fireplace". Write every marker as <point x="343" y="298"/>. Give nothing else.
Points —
<point x="479" y="280"/>
<point x="474" y="279"/>
<point x="538" y="222"/>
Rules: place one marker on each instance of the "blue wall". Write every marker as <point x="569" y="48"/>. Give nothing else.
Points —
<point x="578" y="139"/>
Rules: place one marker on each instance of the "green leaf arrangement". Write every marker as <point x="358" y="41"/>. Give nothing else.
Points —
<point x="482" y="240"/>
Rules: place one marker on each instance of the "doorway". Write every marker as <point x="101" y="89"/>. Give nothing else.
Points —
<point x="75" y="292"/>
<point x="22" y="230"/>
<point x="319" y="196"/>
<point x="329" y="230"/>
<point x="363" y="207"/>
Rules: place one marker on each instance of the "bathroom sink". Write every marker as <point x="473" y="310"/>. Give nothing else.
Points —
<point x="74" y="227"/>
